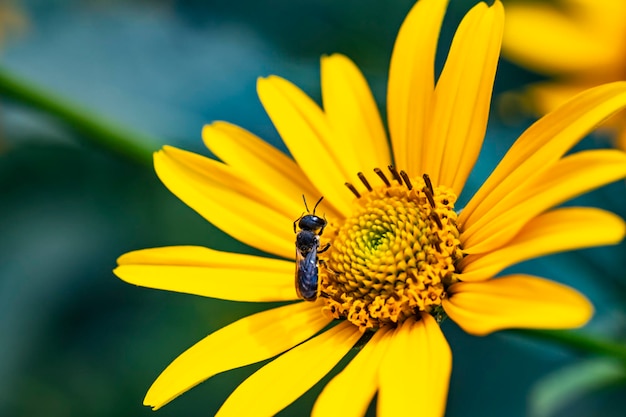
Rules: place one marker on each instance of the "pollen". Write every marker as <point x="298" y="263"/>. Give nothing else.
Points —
<point x="395" y="256"/>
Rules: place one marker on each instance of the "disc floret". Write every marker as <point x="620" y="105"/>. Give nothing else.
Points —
<point x="395" y="255"/>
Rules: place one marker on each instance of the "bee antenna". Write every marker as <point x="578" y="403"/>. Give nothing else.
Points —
<point x="318" y="203"/>
<point x="305" y="206"/>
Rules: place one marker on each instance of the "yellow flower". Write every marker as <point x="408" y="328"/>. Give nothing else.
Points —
<point x="581" y="43"/>
<point x="402" y="257"/>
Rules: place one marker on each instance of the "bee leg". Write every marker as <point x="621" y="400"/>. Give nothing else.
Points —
<point x="296" y="222"/>
<point x="320" y="293"/>
<point x="325" y="223"/>
<point x="324" y="265"/>
<point x="324" y="249"/>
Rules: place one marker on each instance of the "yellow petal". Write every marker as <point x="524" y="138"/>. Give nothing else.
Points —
<point x="566" y="179"/>
<point x="282" y="381"/>
<point x="542" y="144"/>
<point x="516" y="301"/>
<point x="351" y="392"/>
<point x="227" y="200"/>
<point x="555" y="231"/>
<point x="415" y="371"/>
<point x="462" y="98"/>
<point x="209" y="273"/>
<point x="605" y="16"/>
<point x="353" y="115"/>
<point x="249" y="340"/>
<point x="412" y="82"/>
<point x="544" y="39"/>
<point x="549" y="95"/>
<point x="270" y="172"/>
<point x="305" y="130"/>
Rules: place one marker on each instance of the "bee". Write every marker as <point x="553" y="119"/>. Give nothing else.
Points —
<point x="307" y="248"/>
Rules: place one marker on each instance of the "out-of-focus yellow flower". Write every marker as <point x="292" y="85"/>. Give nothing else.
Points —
<point x="402" y="257"/>
<point x="579" y="43"/>
<point x="12" y="20"/>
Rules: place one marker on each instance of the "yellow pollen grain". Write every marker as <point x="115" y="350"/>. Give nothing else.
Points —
<point x="393" y="257"/>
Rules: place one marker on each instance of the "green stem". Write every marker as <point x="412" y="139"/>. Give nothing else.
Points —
<point x="580" y="341"/>
<point x="94" y="128"/>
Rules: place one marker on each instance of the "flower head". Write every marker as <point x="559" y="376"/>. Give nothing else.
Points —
<point x="388" y="254"/>
<point x="579" y="43"/>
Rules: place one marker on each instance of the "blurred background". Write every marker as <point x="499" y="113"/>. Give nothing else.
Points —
<point x="77" y="341"/>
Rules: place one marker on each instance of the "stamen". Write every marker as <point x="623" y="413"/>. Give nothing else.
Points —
<point x="428" y="190"/>
<point x="436" y="241"/>
<point x="364" y="181"/>
<point x="407" y="180"/>
<point x="436" y="219"/>
<point x="428" y="183"/>
<point x="354" y="191"/>
<point x="382" y="176"/>
<point x="395" y="174"/>
<point x="429" y="197"/>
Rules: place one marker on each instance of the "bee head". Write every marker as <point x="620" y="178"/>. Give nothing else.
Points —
<point x="312" y="223"/>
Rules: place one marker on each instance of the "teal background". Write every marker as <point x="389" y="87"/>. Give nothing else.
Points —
<point x="77" y="341"/>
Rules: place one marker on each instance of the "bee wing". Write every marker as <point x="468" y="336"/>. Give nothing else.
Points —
<point x="300" y="259"/>
<point x="307" y="276"/>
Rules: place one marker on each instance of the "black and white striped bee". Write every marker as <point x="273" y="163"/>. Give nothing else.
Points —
<point x="307" y="248"/>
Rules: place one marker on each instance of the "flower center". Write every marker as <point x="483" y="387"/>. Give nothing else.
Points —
<point x="395" y="255"/>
